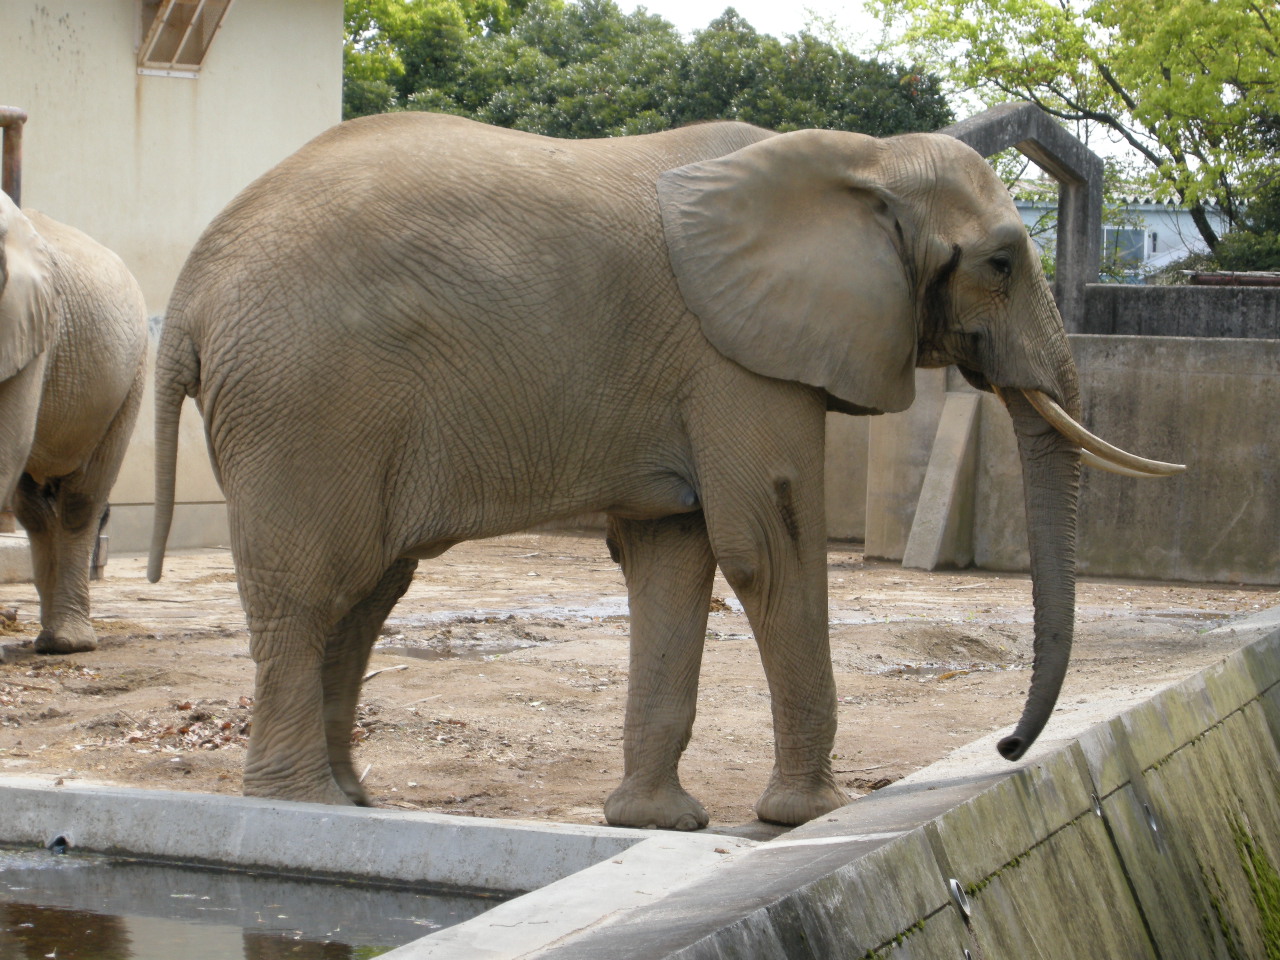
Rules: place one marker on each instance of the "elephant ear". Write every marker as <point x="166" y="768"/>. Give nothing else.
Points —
<point x="790" y="254"/>
<point x="26" y="297"/>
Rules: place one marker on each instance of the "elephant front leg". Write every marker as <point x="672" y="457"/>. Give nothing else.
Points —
<point x="63" y="519"/>
<point x="669" y="567"/>
<point x="769" y="538"/>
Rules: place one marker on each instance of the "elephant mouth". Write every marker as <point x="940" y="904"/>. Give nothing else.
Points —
<point x="1094" y="451"/>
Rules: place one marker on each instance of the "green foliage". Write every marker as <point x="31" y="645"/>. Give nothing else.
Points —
<point x="392" y="48"/>
<point x="1249" y="251"/>
<point x="1256" y="245"/>
<point x="732" y="72"/>
<point x="1182" y="82"/>
<point x="573" y="70"/>
<point x="586" y="69"/>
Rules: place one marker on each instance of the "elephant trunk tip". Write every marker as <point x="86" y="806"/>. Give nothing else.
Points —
<point x="1013" y="747"/>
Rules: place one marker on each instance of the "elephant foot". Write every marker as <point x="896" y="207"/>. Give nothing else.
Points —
<point x="793" y="801"/>
<point x="71" y="638"/>
<point x="665" y="808"/>
<point x="352" y="788"/>
<point x="328" y="792"/>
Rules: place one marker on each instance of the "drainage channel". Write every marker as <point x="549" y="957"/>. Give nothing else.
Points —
<point x="95" y="907"/>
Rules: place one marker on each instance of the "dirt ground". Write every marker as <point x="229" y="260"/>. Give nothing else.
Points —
<point x="498" y="686"/>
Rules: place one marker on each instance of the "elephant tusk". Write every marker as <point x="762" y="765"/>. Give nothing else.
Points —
<point x="1093" y="460"/>
<point x="1104" y="455"/>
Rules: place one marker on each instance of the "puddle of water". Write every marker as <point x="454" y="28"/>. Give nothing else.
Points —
<point x="1207" y="617"/>
<point x="429" y="650"/>
<point x="90" y="907"/>
<point x="939" y="670"/>
<point x="605" y="607"/>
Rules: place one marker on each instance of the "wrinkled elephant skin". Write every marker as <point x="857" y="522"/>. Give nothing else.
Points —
<point x="420" y="330"/>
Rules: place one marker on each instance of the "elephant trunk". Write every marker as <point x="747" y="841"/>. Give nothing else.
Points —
<point x="1051" y="476"/>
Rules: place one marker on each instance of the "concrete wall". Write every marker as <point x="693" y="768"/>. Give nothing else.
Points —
<point x="1182" y="311"/>
<point x="142" y="163"/>
<point x="1211" y="404"/>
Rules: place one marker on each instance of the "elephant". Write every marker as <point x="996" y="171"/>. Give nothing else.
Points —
<point x="420" y="330"/>
<point x="73" y="337"/>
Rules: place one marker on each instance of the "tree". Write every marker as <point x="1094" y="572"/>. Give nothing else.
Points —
<point x="1256" y="245"/>
<point x="586" y="69"/>
<point x="569" y="70"/>
<point x="1181" y="82"/>
<point x="392" y="47"/>
<point x="730" y="71"/>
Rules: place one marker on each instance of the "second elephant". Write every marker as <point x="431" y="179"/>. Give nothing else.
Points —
<point x="73" y="334"/>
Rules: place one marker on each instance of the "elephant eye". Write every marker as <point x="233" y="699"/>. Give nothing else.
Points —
<point x="1002" y="264"/>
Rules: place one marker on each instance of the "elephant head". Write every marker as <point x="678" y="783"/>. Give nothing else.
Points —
<point x="26" y="309"/>
<point x="845" y="262"/>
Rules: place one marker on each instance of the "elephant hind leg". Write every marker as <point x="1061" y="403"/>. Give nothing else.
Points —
<point x="346" y="656"/>
<point x="62" y="526"/>
<point x="310" y="656"/>
<point x="669" y="568"/>
<point x="63" y="519"/>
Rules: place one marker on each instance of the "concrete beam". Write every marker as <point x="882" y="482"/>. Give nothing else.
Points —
<point x="313" y="839"/>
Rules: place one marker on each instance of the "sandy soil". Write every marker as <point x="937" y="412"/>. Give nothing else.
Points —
<point x="498" y="686"/>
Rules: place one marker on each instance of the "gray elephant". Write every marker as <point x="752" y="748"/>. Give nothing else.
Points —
<point x="420" y="330"/>
<point x="73" y="335"/>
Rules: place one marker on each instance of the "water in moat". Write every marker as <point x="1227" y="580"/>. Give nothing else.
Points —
<point x="81" y="906"/>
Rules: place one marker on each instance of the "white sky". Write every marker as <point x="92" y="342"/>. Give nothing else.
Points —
<point x="778" y="17"/>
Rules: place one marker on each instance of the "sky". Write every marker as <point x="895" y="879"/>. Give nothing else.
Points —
<point x="778" y="17"/>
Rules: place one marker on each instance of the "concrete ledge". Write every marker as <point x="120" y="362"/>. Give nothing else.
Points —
<point x="194" y="525"/>
<point x="1160" y="825"/>
<point x="651" y="870"/>
<point x="461" y="853"/>
<point x="1122" y="309"/>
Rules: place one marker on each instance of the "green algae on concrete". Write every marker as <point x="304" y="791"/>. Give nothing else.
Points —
<point x="1264" y="883"/>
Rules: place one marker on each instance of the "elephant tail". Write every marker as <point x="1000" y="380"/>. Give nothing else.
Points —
<point x="177" y="377"/>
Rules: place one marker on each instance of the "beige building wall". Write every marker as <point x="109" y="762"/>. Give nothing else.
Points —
<point x="142" y="163"/>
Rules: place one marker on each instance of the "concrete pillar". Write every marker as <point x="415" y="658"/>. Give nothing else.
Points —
<point x="942" y="531"/>
<point x="898" y="451"/>
<point x="845" y="480"/>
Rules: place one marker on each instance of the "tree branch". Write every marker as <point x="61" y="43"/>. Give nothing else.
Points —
<point x="1105" y="72"/>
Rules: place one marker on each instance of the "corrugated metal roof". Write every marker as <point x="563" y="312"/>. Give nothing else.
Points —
<point x="1044" y="190"/>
